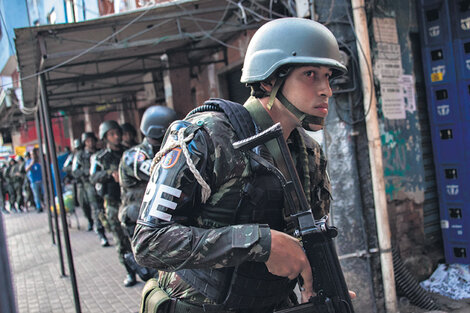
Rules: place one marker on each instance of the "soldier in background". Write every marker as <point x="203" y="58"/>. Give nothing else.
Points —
<point x="2" y="189"/>
<point x="27" y="192"/>
<point x="67" y="169"/>
<point x="19" y="175"/>
<point x="8" y="175"/>
<point x="134" y="169"/>
<point x="129" y="135"/>
<point x="105" y="175"/>
<point x="89" y="201"/>
<point x="134" y="173"/>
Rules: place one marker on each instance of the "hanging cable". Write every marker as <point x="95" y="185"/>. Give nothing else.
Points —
<point x="86" y="50"/>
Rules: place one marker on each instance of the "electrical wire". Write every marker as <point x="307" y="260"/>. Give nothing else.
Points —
<point x="147" y="9"/>
<point x="366" y="112"/>
<point x="150" y="5"/>
<point x="208" y="34"/>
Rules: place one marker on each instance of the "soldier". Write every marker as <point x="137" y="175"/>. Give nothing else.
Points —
<point x="19" y="173"/>
<point x="9" y="183"/>
<point x="129" y="135"/>
<point x="212" y="218"/>
<point x="67" y="169"/>
<point x="105" y="175"/>
<point x="27" y="192"/>
<point x="2" y="189"/>
<point x="134" y="169"/>
<point x="134" y="173"/>
<point x="88" y="199"/>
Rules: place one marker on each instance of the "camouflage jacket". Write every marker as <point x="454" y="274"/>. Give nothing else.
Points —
<point x="134" y="168"/>
<point x="80" y="168"/>
<point x="177" y="231"/>
<point x="102" y="165"/>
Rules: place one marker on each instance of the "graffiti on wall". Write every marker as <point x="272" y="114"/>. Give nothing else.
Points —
<point x="402" y="161"/>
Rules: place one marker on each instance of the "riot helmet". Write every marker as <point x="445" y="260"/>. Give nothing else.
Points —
<point x="107" y="126"/>
<point x="156" y="120"/>
<point x="304" y="42"/>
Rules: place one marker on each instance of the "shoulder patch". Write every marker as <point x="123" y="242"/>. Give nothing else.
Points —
<point x="171" y="158"/>
<point x="141" y="156"/>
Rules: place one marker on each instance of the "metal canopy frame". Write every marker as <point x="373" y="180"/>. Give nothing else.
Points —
<point x="94" y="62"/>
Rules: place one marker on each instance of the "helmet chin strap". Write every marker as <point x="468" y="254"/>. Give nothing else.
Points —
<point x="304" y="118"/>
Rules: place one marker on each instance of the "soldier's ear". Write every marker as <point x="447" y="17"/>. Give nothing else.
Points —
<point x="267" y="86"/>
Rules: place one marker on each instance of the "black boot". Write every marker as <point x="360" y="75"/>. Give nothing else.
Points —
<point x="103" y="240"/>
<point x="130" y="280"/>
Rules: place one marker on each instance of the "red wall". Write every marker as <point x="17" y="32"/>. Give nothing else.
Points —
<point x="28" y="136"/>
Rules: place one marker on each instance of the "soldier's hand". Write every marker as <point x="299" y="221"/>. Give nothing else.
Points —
<point x="115" y="175"/>
<point x="288" y="259"/>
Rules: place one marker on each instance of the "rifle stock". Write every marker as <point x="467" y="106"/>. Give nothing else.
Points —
<point x="332" y="293"/>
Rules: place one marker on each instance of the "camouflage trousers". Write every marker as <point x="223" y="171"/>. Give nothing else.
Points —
<point x="95" y="206"/>
<point x="18" y="188"/>
<point x="123" y="244"/>
<point x="84" y="203"/>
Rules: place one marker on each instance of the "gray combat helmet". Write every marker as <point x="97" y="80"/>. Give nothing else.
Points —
<point x="290" y="40"/>
<point x="156" y="120"/>
<point x="107" y="126"/>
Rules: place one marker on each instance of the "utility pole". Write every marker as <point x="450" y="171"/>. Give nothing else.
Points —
<point x="375" y="155"/>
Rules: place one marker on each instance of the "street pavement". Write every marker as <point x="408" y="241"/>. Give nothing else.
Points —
<point x="39" y="286"/>
<point x="36" y="271"/>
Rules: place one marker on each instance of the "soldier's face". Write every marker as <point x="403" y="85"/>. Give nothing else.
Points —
<point x="308" y="89"/>
<point x="90" y="143"/>
<point x="127" y="137"/>
<point x="114" y="137"/>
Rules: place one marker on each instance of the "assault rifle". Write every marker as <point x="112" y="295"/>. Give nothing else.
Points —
<point x="332" y="294"/>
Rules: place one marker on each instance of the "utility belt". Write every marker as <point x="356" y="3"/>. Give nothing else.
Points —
<point x="156" y="300"/>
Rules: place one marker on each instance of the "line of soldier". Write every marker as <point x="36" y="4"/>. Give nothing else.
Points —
<point x="111" y="182"/>
<point x="17" y="184"/>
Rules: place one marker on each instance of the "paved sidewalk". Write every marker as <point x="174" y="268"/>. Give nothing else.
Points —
<point x="36" y="273"/>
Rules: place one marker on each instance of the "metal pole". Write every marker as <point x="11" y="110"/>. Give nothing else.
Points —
<point x="50" y="195"/>
<point x="58" y="185"/>
<point x="375" y="155"/>
<point x="44" y="177"/>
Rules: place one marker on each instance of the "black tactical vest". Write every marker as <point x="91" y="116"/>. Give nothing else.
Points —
<point x="248" y="286"/>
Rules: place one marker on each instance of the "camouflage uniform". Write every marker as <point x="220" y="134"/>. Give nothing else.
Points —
<point x="103" y="164"/>
<point x="134" y="174"/>
<point x="19" y="173"/>
<point x="87" y="197"/>
<point x="9" y="185"/>
<point x="2" y="193"/>
<point x="184" y="233"/>
<point x="27" y="192"/>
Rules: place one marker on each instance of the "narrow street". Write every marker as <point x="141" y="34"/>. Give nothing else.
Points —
<point x="36" y="272"/>
<point x="39" y="287"/>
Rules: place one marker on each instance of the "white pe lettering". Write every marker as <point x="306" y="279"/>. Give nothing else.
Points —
<point x="159" y="200"/>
